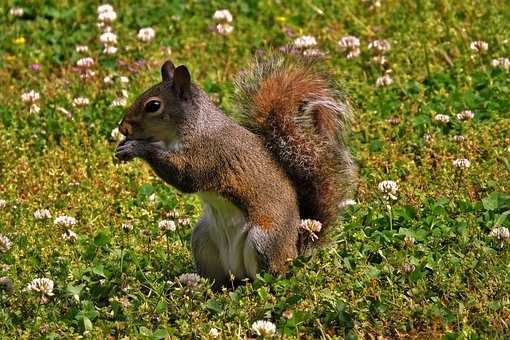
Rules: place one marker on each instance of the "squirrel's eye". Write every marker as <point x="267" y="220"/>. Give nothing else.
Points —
<point x="152" y="105"/>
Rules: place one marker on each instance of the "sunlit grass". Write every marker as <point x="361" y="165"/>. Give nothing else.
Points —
<point x="430" y="261"/>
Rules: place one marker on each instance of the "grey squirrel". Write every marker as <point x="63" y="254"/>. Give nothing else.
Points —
<point x="257" y="180"/>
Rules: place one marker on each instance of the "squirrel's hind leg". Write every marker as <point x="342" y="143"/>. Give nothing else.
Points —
<point x="275" y="248"/>
<point x="206" y="256"/>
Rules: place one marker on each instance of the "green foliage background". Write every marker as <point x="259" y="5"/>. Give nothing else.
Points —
<point x="460" y="286"/>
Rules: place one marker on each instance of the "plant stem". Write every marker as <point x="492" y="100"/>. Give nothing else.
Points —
<point x="390" y="216"/>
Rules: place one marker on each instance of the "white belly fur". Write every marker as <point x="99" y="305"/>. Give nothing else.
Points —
<point x="228" y="229"/>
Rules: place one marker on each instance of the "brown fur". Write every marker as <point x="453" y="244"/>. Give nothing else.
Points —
<point x="288" y="167"/>
<point x="301" y="115"/>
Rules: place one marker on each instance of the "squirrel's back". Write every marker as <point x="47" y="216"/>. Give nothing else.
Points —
<point x="301" y="114"/>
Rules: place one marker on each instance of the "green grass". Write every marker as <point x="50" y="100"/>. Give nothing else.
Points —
<point x="357" y="286"/>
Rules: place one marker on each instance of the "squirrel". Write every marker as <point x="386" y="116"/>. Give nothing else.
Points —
<point x="286" y="161"/>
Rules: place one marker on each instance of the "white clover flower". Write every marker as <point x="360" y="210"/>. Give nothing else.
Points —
<point x="16" y="12"/>
<point x="409" y="240"/>
<point x="42" y="214"/>
<point x="119" y="102"/>
<point x="69" y="235"/>
<point x="146" y="34"/>
<point x="214" y="333"/>
<point x="81" y="101"/>
<point x="305" y="41"/>
<point x="30" y="96"/>
<point x="189" y="279"/>
<point x="34" y="108"/>
<point x="108" y="80"/>
<point x="380" y="46"/>
<point x="81" y="48"/>
<point x="408" y="268"/>
<point x="350" y="45"/>
<point x="223" y="15"/>
<point x="108" y="38"/>
<point x="107" y="17"/>
<point x="167" y="225"/>
<point x="503" y="63"/>
<point x="461" y="163"/>
<point x="348" y="42"/>
<point x="5" y="243"/>
<point x="394" y="120"/>
<point x="3" y="203"/>
<point x="384" y="80"/>
<point x="428" y="138"/>
<point x="346" y="202"/>
<point x="263" y="328"/>
<point x="479" y="46"/>
<point x="224" y="29"/>
<point x="124" y="80"/>
<point x="459" y="138"/>
<point x="65" y="220"/>
<point x="104" y="8"/>
<point x="288" y="314"/>
<point x="42" y="285"/>
<point x="500" y="233"/>
<point x="388" y="189"/>
<point x="311" y="225"/>
<point x="442" y="118"/>
<point x="85" y="62"/>
<point x="465" y="115"/>
<point x="127" y="227"/>
<point x="109" y="49"/>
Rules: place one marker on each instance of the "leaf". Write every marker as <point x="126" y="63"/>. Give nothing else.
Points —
<point x="375" y="145"/>
<point x="161" y="307"/>
<point x="294" y="299"/>
<point x="146" y="190"/>
<point x="373" y="272"/>
<point x="101" y="239"/>
<point x="74" y="291"/>
<point x="421" y="120"/>
<point x="496" y="200"/>
<point x="501" y="219"/>
<point x="214" y="306"/>
<point x="160" y="334"/>
<point x="99" y="270"/>
<point x="145" y="331"/>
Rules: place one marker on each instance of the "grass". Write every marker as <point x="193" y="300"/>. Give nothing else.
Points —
<point x="451" y="282"/>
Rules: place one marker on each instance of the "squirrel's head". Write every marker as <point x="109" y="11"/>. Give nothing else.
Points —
<point x="157" y="113"/>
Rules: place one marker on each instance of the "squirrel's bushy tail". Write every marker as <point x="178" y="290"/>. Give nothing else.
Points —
<point x="301" y="114"/>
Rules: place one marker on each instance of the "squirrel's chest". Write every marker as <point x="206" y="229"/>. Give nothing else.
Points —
<point x="228" y="230"/>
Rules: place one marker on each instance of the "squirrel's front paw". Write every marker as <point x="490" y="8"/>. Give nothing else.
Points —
<point x="129" y="149"/>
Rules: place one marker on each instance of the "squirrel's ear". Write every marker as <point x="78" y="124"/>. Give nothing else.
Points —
<point x="182" y="82"/>
<point x="167" y="71"/>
